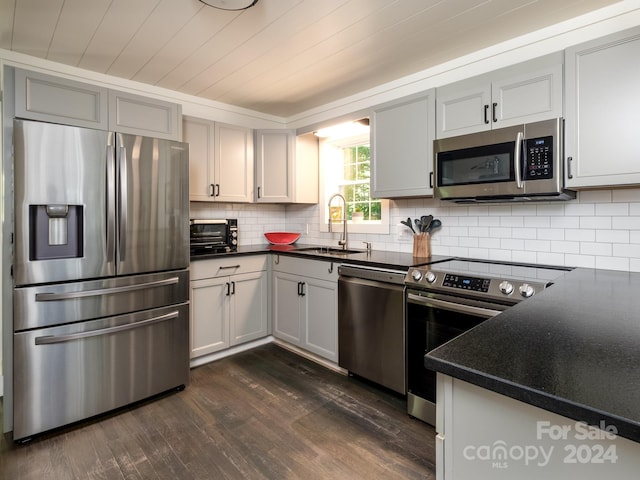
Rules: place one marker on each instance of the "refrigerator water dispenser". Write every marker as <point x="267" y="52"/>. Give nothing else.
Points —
<point x="55" y="231"/>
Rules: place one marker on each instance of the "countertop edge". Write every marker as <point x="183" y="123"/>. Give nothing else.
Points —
<point x="583" y="413"/>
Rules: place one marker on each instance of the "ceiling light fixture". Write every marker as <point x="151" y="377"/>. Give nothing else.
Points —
<point x="230" y="4"/>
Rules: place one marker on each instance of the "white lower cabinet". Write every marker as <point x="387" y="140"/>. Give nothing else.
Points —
<point x="229" y="303"/>
<point x="305" y="304"/>
<point x="482" y="435"/>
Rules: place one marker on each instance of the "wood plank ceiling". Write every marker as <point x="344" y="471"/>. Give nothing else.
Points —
<point x="279" y="57"/>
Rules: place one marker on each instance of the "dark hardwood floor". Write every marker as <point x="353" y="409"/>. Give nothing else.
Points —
<point x="262" y="414"/>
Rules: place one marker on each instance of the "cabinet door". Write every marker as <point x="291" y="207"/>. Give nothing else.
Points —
<point x="233" y="163"/>
<point x="209" y="316"/>
<point x="402" y="148"/>
<point x="248" y="307"/>
<point x="145" y="116"/>
<point x="286" y="308"/>
<point x="275" y="157"/>
<point x="319" y="304"/>
<point x="199" y="135"/>
<point x="58" y="100"/>
<point x="529" y="97"/>
<point x="463" y="107"/>
<point x="603" y="111"/>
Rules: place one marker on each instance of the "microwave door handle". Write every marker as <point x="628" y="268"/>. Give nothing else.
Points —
<point x="517" y="164"/>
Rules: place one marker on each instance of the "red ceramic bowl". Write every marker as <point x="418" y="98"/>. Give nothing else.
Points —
<point x="282" y="238"/>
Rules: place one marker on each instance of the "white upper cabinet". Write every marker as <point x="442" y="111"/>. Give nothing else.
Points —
<point x="286" y="167"/>
<point x="57" y="100"/>
<point x="603" y="111"/>
<point x="140" y="115"/>
<point x="54" y="99"/>
<point x="402" y="135"/>
<point x="527" y="92"/>
<point x="220" y="161"/>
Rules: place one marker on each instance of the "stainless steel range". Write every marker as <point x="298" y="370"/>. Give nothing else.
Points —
<point x="443" y="300"/>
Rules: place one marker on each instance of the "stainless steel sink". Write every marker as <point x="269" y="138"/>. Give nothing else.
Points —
<point x="328" y="251"/>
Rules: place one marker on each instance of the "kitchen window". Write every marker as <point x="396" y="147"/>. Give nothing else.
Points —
<point x="346" y="169"/>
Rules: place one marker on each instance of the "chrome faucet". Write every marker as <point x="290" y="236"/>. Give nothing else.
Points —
<point x="343" y="241"/>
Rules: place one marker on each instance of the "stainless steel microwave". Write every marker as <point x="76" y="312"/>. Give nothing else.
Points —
<point x="519" y="163"/>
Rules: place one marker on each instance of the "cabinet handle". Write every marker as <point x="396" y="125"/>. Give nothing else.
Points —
<point x="494" y="110"/>
<point x="569" y="169"/>
<point x="233" y="288"/>
<point x="217" y="190"/>
<point x="299" y="288"/>
<point x="302" y="284"/>
<point x="431" y="180"/>
<point x="330" y="269"/>
<point x="258" y="192"/>
<point x="228" y="292"/>
<point x="212" y="190"/>
<point x="229" y="267"/>
<point x="486" y="114"/>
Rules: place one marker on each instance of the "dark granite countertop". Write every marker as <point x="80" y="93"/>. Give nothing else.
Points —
<point x="573" y="349"/>
<point x="375" y="258"/>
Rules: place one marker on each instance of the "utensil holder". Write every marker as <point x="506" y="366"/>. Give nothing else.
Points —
<point x="422" y="245"/>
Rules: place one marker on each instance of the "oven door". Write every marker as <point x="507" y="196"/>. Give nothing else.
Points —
<point x="432" y="320"/>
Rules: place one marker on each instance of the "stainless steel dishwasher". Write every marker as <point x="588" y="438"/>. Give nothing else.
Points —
<point x="371" y="327"/>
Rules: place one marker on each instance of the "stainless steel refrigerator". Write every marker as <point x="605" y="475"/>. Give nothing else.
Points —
<point x="101" y="311"/>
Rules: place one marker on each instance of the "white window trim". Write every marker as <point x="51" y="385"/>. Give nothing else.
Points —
<point x="327" y="149"/>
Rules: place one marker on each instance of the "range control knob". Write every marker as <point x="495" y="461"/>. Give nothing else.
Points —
<point x="505" y="287"/>
<point x="416" y="275"/>
<point x="430" y="277"/>
<point x="526" y="290"/>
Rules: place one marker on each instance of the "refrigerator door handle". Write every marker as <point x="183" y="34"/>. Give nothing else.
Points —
<point x="122" y="230"/>
<point x="111" y="209"/>
<point x="49" y="297"/>
<point x="49" y="339"/>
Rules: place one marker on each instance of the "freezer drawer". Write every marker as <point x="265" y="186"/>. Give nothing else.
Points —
<point x="69" y="373"/>
<point x="56" y="304"/>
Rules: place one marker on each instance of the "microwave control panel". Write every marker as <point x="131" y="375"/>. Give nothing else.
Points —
<point x="538" y="158"/>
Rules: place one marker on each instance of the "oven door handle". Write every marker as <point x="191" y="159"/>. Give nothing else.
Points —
<point x="454" y="307"/>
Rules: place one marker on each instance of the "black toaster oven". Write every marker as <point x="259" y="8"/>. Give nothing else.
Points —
<point x="213" y="236"/>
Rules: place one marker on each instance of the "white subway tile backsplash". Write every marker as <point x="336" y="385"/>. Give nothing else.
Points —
<point x="613" y="236"/>
<point x="595" y="222"/>
<point x="550" y="210"/>
<point x="629" y="250"/>
<point x="565" y="222"/>
<point x="601" y="229"/>
<point x="565" y="247"/>
<point x="538" y="245"/>
<point x="550" y="258"/>
<point x="628" y="223"/>
<point x="580" y="235"/>
<point x="489" y="221"/>
<point x="579" y="209"/>
<point x="537" y="222"/>
<point x="550" y="234"/>
<point x="612" y="209"/>
<point x="594" y="196"/>
<point x="612" y="263"/>
<point x="512" y="244"/>
<point x="527" y="233"/>
<point x="588" y="248"/>
<point x="626" y="195"/>
<point x="583" y="261"/>
<point x="517" y="221"/>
